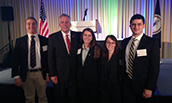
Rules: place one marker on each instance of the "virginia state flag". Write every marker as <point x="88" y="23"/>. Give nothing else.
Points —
<point x="157" y="23"/>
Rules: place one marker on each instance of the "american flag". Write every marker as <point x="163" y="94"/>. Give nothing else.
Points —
<point x="43" y="28"/>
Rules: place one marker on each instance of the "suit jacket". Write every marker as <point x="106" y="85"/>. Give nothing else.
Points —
<point x="111" y="69"/>
<point x="110" y="90"/>
<point x="20" y="57"/>
<point x="145" y="68"/>
<point x="90" y="70"/>
<point x="62" y="64"/>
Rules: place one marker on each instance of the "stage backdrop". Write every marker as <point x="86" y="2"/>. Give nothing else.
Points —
<point x="113" y="15"/>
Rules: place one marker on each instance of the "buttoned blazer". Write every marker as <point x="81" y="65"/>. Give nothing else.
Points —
<point x="91" y="68"/>
<point x="146" y="67"/>
<point x="61" y="63"/>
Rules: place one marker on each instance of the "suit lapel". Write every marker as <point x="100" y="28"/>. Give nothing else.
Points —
<point x="25" y="43"/>
<point x="124" y="46"/>
<point x="125" y="43"/>
<point x="40" y="41"/>
<point x="61" y="40"/>
<point x="73" y="42"/>
<point x="88" y="59"/>
<point x="80" y="57"/>
<point x="142" y="43"/>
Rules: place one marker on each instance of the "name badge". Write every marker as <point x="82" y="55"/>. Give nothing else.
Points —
<point x="79" y="51"/>
<point x="44" y="48"/>
<point x="141" y="52"/>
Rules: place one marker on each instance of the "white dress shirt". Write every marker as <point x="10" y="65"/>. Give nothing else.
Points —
<point x="38" y="56"/>
<point x="84" y="54"/>
<point x="37" y="50"/>
<point x="128" y="48"/>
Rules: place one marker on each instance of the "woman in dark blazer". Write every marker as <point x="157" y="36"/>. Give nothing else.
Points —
<point x="88" y="56"/>
<point x="110" y="72"/>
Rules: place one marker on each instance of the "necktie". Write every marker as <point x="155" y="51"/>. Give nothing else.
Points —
<point x="32" y="53"/>
<point x="131" y="59"/>
<point x="68" y="42"/>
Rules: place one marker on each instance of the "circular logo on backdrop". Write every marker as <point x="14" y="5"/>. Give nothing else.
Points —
<point x="157" y="24"/>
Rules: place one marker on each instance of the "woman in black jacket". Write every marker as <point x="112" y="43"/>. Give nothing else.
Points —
<point x="110" y="72"/>
<point x="88" y="56"/>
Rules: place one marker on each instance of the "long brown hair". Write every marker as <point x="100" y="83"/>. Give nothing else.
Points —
<point x="93" y="43"/>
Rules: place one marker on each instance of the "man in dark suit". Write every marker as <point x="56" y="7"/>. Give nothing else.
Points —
<point x="62" y="53"/>
<point x="30" y="63"/>
<point x="141" y="60"/>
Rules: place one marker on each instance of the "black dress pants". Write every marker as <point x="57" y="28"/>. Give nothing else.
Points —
<point x="87" y="92"/>
<point x="65" y="93"/>
<point x="130" y="96"/>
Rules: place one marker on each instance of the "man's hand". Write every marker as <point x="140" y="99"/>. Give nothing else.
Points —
<point x="47" y="78"/>
<point x="18" y="82"/>
<point x="147" y="93"/>
<point x="54" y="79"/>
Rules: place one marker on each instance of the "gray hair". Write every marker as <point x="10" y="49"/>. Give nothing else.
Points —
<point x="64" y="15"/>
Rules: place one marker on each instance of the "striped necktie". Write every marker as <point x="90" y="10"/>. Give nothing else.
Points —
<point x="131" y="59"/>
<point x="32" y="53"/>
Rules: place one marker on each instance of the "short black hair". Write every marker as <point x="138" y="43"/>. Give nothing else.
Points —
<point x="32" y="19"/>
<point x="137" y="16"/>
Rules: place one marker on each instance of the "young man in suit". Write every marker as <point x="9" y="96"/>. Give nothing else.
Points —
<point x="30" y="63"/>
<point x="62" y="53"/>
<point x="141" y="62"/>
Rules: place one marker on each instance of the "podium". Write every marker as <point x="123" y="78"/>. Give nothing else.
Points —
<point x="81" y="25"/>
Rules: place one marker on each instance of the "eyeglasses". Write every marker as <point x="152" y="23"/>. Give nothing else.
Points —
<point x="110" y="43"/>
<point x="134" y="25"/>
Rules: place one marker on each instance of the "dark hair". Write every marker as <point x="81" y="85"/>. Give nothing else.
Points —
<point x="93" y="42"/>
<point x="105" y="54"/>
<point x="65" y="15"/>
<point x="32" y="19"/>
<point x="137" y="16"/>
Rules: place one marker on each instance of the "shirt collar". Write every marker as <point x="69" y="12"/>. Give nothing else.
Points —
<point x="29" y="35"/>
<point x="138" y="38"/>
<point x="64" y="34"/>
<point x="84" y="48"/>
